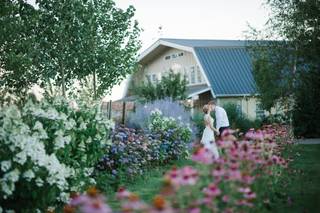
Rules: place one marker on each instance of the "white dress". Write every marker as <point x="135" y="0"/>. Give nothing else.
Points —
<point x="208" y="139"/>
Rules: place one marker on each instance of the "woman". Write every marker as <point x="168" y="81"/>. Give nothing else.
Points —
<point x="208" y="139"/>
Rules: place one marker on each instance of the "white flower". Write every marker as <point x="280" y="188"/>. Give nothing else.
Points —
<point x="38" y="126"/>
<point x="158" y="111"/>
<point x="88" y="171"/>
<point x="73" y="105"/>
<point x="64" y="197"/>
<point x="20" y="158"/>
<point x="7" y="188"/>
<point x="12" y="176"/>
<point x="37" y="92"/>
<point x="39" y="182"/>
<point x="1" y="210"/>
<point x="83" y="126"/>
<point x="70" y="124"/>
<point x="28" y="175"/>
<point x="92" y="181"/>
<point x="60" y="141"/>
<point x="10" y="211"/>
<point x="5" y="165"/>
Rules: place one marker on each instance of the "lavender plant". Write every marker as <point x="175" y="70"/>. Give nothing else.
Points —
<point x="169" y="108"/>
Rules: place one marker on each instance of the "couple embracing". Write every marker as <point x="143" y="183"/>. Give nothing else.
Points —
<point x="222" y="123"/>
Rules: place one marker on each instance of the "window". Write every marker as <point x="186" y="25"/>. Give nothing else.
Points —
<point x="174" y="55"/>
<point x="199" y="76"/>
<point x="186" y="75"/>
<point x="167" y="57"/>
<point x="259" y="111"/>
<point x="180" y="54"/>
<point x="148" y="78"/>
<point x="154" y="78"/>
<point x="192" y="75"/>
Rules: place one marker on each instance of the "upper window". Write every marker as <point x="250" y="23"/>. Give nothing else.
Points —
<point x="186" y="75"/>
<point x="192" y="75"/>
<point x="148" y="77"/>
<point x="154" y="78"/>
<point x="199" y="76"/>
<point x="174" y="55"/>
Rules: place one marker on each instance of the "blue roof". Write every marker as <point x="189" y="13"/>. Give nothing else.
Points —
<point x="229" y="70"/>
<point x="206" y="43"/>
<point x="226" y="63"/>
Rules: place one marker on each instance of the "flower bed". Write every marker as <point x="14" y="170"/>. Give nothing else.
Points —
<point x="133" y="151"/>
<point x="234" y="183"/>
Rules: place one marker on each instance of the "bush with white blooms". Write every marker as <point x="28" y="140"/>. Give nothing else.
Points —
<point x="48" y="148"/>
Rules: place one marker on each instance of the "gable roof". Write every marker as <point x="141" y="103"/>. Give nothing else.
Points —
<point x="206" y="42"/>
<point x="225" y="63"/>
<point x="229" y="70"/>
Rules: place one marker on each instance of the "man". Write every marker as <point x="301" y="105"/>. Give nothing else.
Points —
<point x="222" y="121"/>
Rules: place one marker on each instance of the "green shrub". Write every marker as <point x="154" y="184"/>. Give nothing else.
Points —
<point x="198" y="121"/>
<point x="239" y="121"/>
<point x="48" y="149"/>
<point x="172" y="86"/>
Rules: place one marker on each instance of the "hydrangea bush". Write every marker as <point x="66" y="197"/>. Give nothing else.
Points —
<point x="133" y="151"/>
<point x="48" y="149"/>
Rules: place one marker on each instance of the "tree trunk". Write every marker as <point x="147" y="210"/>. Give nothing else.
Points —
<point x="94" y="85"/>
<point x="63" y="81"/>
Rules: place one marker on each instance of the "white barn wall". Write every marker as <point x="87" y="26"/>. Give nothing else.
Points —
<point x="159" y="66"/>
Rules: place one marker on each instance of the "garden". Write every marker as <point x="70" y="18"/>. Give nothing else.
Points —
<point x="59" y="152"/>
<point x="58" y="155"/>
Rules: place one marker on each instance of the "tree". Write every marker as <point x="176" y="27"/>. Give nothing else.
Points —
<point x="296" y="27"/>
<point x="172" y="86"/>
<point x="74" y="39"/>
<point x="17" y="45"/>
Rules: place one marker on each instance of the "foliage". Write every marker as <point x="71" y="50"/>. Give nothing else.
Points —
<point x="306" y="114"/>
<point x="198" y="120"/>
<point x="48" y="149"/>
<point x="66" y="40"/>
<point x="171" y="86"/>
<point x="230" y="184"/>
<point x="240" y="121"/>
<point x="287" y="69"/>
<point x="168" y="107"/>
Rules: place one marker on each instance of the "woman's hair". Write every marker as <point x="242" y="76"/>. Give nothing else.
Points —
<point x="205" y="109"/>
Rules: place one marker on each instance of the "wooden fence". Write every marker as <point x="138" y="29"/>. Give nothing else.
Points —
<point x="118" y="110"/>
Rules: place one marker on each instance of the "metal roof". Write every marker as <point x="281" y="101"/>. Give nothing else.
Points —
<point x="196" y="90"/>
<point x="229" y="70"/>
<point x="206" y="42"/>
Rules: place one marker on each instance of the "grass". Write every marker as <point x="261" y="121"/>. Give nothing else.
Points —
<point x="301" y="185"/>
<point x="148" y="185"/>
<point x="300" y="189"/>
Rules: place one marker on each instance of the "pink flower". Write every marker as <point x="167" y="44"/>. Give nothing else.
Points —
<point x="218" y="171"/>
<point x="194" y="210"/>
<point x="122" y="193"/>
<point x="185" y="176"/>
<point x="247" y="179"/>
<point x="189" y="176"/>
<point x="212" y="190"/>
<point x="244" y="203"/>
<point x="204" y="156"/>
<point x="244" y="190"/>
<point x="225" y="198"/>
<point x="250" y="195"/>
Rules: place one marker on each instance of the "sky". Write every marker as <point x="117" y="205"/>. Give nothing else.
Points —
<point x="198" y="19"/>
